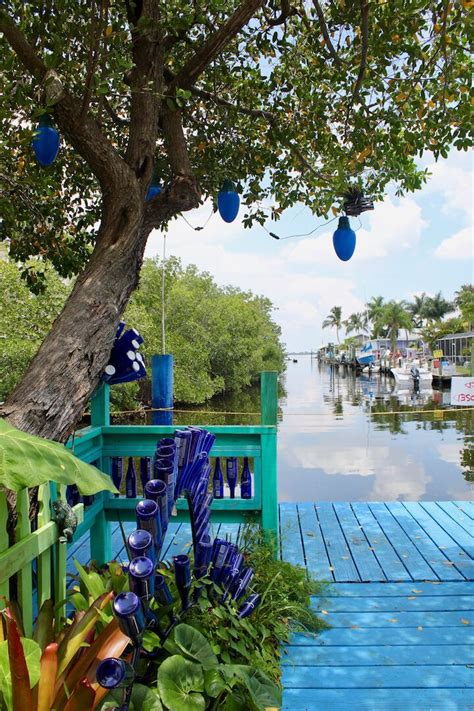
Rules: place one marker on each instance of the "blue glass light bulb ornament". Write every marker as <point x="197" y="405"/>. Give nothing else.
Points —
<point x="46" y="142"/>
<point x="228" y="201"/>
<point x="344" y="239"/>
<point x="153" y="189"/>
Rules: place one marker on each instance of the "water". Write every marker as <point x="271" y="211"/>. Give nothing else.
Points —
<point x="337" y="441"/>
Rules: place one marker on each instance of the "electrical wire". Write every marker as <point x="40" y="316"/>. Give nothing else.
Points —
<point x="305" y="234"/>
<point x="198" y="229"/>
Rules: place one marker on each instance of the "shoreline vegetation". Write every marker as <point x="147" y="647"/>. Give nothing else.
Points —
<point x="220" y="336"/>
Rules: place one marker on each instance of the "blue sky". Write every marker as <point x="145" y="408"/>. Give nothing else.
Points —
<point x="422" y="242"/>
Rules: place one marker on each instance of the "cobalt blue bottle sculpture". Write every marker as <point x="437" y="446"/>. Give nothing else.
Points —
<point x="231" y="471"/>
<point x="228" y="201"/>
<point x="344" y="240"/>
<point x="246" y="481"/>
<point x="218" y="480"/>
<point x="131" y="480"/>
<point x="46" y="142"/>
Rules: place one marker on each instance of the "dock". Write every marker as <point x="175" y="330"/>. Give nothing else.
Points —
<point x="400" y="603"/>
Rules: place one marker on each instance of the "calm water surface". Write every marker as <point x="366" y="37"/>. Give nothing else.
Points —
<point x="337" y="442"/>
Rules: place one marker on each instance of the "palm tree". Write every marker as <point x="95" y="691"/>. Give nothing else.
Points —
<point x="334" y="320"/>
<point x="374" y="309"/>
<point x="356" y="322"/>
<point x="394" y="316"/>
<point x="437" y="307"/>
<point x="465" y="303"/>
<point x="418" y="309"/>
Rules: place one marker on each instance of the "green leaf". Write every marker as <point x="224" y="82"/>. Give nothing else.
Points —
<point x="193" y="644"/>
<point x="214" y="682"/>
<point x="32" y="652"/>
<point x="143" y="699"/>
<point x="263" y="691"/>
<point x="93" y="582"/>
<point x="27" y="460"/>
<point x="178" y="683"/>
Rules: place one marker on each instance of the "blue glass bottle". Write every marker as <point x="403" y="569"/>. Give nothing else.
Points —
<point x="140" y="543"/>
<point x="246" y="481"/>
<point x="141" y="576"/>
<point x="157" y="490"/>
<point x="113" y="673"/>
<point x="163" y="595"/>
<point x="148" y="518"/>
<point x="249" y="606"/>
<point x="218" y="480"/>
<point x="131" y="480"/>
<point x="129" y="613"/>
<point x="117" y="472"/>
<point x="182" y="573"/>
<point x="145" y="471"/>
<point x="243" y="583"/>
<point x="231" y="471"/>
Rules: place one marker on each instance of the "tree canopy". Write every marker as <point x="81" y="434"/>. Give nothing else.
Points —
<point x="294" y="102"/>
<point x="297" y="104"/>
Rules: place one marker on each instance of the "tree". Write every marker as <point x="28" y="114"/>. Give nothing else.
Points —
<point x="418" y="309"/>
<point x="374" y="309"/>
<point x="334" y="320"/>
<point x="356" y="322"/>
<point x="436" y="307"/>
<point x="394" y="316"/>
<point x="296" y="100"/>
<point x="464" y="300"/>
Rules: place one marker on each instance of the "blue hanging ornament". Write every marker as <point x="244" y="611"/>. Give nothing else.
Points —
<point x="46" y="141"/>
<point x="228" y="201"/>
<point x="344" y="239"/>
<point x="153" y="189"/>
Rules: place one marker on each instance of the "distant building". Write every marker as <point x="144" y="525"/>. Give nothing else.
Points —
<point x="404" y="341"/>
<point x="456" y="346"/>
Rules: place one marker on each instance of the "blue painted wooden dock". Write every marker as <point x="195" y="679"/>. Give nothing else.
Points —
<point x="400" y="606"/>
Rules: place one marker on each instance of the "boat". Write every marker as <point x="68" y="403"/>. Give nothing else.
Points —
<point x="403" y="375"/>
<point x="366" y="354"/>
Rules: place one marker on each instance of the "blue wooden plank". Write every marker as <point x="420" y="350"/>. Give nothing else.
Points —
<point x="119" y="552"/>
<point x="428" y="549"/>
<point x="317" y="561"/>
<point x="391" y="621"/>
<point x="229" y="531"/>
<point x="376" y="655"/>
<point x="459" y="516"/>
<point x="467" y="507"/>
<point x="384" y="551"/>
<point x="173" y="528"/>
<point x="363" y="677"/>
<point x="459" y="534"/>
<point x="181" y="542"/>
<point x="291" y="543"/>
<point x="396" y="604"/>
<point x="364" y="558"/>
<point x="362" y="636"/>
<point x="343" y="566"/>
<point x="377" y="700"/>
<point x="461" y="587"/>
<point x="456" y="556"/>
<point x="406" y="551"/>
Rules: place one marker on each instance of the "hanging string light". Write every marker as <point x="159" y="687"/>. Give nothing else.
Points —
<point x="46" y="141"/>
<point x="344" y="238"/>
<point x="228" y="201"/>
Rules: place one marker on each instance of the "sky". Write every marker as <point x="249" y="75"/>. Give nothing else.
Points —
<point x="422" y="242"/>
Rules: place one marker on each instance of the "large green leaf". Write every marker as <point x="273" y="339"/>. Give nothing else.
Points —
<point x="193" y="644"/>
<point x="143" y="699"/>
<point x="178" y="684"/>
<point x="32" y="653"/>
<point x="263" y="691"/>
<point x="27" y="460"/>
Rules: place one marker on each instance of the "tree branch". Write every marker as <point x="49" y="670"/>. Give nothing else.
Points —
<point x="83" y="132"/>
<point x="364" y="31"/>
<point x="325" y="33"/>
<point x="208" y="96"/>
<point x="146" y="83"/>
<point x="214" y="45"/>
<point x="286" y="12"/>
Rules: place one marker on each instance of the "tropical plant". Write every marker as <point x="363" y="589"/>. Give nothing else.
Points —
<point x="434" y="330"/>
<point x="394" y="316"/>
<point x="464" y="300"/>
<point x="436" y="307"/>
<point x="373" y="309"/>
<point x="197" y="94"/>
<point x="334" y="320"/>
<point x="417" y="308"/>
<point x="57" y="672"/>
<point x="356" y="322"/>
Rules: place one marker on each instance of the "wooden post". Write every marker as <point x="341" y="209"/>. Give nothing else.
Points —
<point x="269" y="412"/>
<point x="101" y="540"/>
<point x="100" y="406"/>
<point x="269" y="397"/>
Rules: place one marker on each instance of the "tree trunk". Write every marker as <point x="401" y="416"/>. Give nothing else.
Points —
<point x="54" y="391"/>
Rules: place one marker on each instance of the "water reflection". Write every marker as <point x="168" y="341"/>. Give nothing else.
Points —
<point x="361" y="439"/>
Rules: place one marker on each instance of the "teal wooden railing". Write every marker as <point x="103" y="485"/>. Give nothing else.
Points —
<point x="38" y="560"/>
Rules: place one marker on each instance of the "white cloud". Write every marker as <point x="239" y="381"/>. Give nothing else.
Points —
<point x="459" y="246"/>
<point x="453" y="180"/>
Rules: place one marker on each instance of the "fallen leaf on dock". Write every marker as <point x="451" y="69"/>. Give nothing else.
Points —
<point x="393" y="619"/>
<point x="412" y="597"/>
<point x="331" y="568"/>
<point x="417" y="591"/>
<point x="355" y="627"/>
<point x="311" y="535"/>
<point x="464" y="621"/>
<point x="325" y="612"/>
<point x="419" y="628"/>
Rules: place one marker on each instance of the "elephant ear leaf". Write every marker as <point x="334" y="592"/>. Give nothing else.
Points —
<point x="179" y="684"/>
<point x="192" y="644"/>
<point x="27" y="461"/>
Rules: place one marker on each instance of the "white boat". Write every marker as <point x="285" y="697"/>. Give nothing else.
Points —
<point x="403" y="376"/>
<point x="366" y="354"/>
